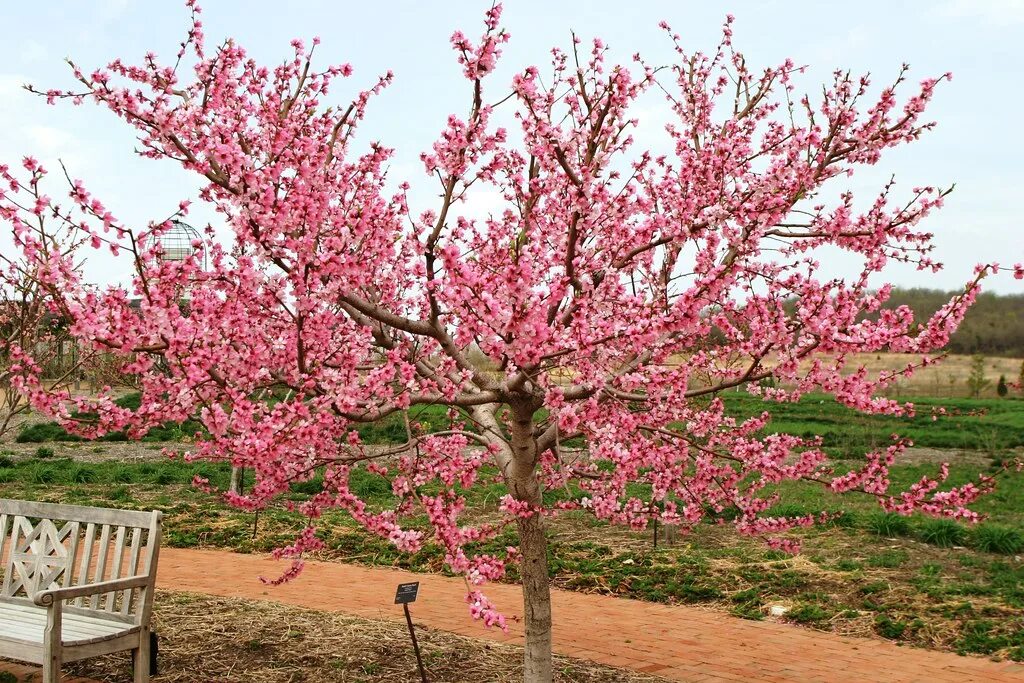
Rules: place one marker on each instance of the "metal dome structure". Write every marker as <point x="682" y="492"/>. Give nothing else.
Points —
<point x="177" y="243"/>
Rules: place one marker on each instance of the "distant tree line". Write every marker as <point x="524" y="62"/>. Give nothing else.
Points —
<point x="994" y="326"/>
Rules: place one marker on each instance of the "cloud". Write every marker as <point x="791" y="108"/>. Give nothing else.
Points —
<point x="997" y="12"/>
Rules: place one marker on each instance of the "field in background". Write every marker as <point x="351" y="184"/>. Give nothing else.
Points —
<point x="945" y="380"/>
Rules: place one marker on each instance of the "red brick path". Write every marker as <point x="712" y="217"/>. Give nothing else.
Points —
<point x="33" y="674"/>
<point x="679" y="643"/>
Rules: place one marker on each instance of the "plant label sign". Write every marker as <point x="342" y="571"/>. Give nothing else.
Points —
<point x="407" y="592"/>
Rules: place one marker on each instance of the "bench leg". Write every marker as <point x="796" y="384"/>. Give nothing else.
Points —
<point x="52" y="645"/>
<point x="141" y="658"/>
<point x="51" y="667"/>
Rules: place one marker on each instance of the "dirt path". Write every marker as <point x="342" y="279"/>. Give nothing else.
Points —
<point x="678" y="643"/>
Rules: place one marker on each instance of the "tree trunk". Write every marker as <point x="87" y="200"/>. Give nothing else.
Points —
<point x="236" y="480"/>
<point x="536" y="600"/>
<point x="521" y="477"/>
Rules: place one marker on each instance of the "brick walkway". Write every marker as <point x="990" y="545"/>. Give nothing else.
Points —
<point x="33" y="674"/>
<point x="679" y="643"/>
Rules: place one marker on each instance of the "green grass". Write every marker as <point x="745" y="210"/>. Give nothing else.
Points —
<point x="809" y="613"/>
<point x="387" y="431"/>
<point x="944" y="533"/>
<point x="51" y="431"/>
<point x="888" y="524"/>
<point x="1005" y="505"/>
<point x="997" y="538"/>
<point x="973" y="424"/>
<point x="64" y="471"/>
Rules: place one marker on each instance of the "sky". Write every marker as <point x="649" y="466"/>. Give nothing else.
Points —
<point x="978" y="144"/>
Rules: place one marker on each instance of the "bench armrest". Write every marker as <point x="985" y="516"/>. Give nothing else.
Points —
<point x="49" y="597"/>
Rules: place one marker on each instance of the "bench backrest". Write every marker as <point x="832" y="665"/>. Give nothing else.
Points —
<point x="45" y="546"/>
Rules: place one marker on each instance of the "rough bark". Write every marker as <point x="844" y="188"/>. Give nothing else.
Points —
<point x="536" y="601"/>
<point x="521" y="477"/>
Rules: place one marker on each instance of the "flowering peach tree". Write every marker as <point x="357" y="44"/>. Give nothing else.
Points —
<point x="31" y="336"/>
<point x="610" y="298"/>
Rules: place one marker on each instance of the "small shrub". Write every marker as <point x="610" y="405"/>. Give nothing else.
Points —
<point x="808" y="613"/>
<point x="888" y="524"/>
<point x="44" y="452"/>
<point x="748" y="595"/>
<point x="122" y="475"/>
<point x="976" y="381"/>
<point x="45" y="431"/>
<point x="699" y="593"/>
<point x="164" y="477"/>
<point x="748" y="610"/>
<point x="8" y="677"/>
<point x="997" y="538"/>
<point x="310" y="487"/>
<point x="367" y="485"/>
<point x="844" y="519"/>
<point x="119" y="493"/>
<point x="944" y="533"/>
<point x="6" y="461"/>
<point x="980" y="636"/>
<point x="181" y="539"/>
<point x="874" y="587"/>
<point x="43" y="474"/>
<point x="889" y="628"/>
<point x="82" y="474"/>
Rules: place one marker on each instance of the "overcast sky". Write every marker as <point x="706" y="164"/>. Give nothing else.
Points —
<point x="978" y="145"/>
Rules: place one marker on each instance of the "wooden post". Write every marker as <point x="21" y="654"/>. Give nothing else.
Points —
<point x="415" y="645"/>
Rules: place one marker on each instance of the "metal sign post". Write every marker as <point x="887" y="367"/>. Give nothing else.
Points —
<point x="405" y="594"/>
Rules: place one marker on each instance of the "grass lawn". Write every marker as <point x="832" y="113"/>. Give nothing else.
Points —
<point x="988" y="425"/>
<point x="923" y="582"/>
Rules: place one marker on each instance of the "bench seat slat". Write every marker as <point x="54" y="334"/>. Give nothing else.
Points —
<point x="27" y="623"/>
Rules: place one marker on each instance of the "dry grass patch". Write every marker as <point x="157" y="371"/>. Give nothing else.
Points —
<point x="205" y="639"/>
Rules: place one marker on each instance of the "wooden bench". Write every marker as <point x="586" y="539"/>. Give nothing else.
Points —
<point x="77" y="582"/>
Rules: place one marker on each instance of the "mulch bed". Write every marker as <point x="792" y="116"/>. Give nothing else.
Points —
<point x="205" y="639"/>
